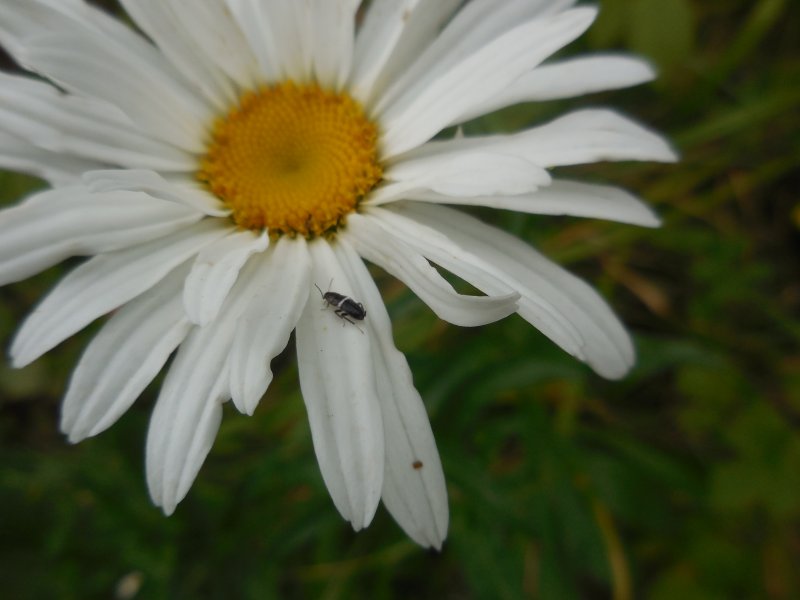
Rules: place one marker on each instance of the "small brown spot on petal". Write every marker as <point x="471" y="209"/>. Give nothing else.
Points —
<point x="417" y="464"/>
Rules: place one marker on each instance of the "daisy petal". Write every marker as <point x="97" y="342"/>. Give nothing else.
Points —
<point x="188" y="410"/>
<point x="218" y="37"/>
<point x="421" y="112"/>
<point x="414" y="488"/>
<point x="39" y="113"/>
<point x="264" y="329"/>
<point x="461" y="174"/>
<point x="124" y="358"/>
<point x="180" y="190"/>
<point x="82" y="17"/>
<point x="380" y="246"/>
<point x="151" y="98"/>
<point x="393" y="34"/>
<point x="338" y="384"/>
<point x="278" y="33"/>
<point x="19" y="155"/>
<point x="472" y="27"/>
<point x="580" y="137"/>
<point x="56" y="224"/>
<point x="562" y="197"/>
<point x="437" y="245"/>
<point x="215" y="271"/>
<point x="102" y="284"/>
<point x="21" y="23"/>
<point x="255" y="23"/>
<point x="605" y="345"/>
<point x="185" y="420"/>
<point x="588" y="136"/>
<point x="567" y="79"/>
<point x="332" y="40"/>
<point x="165" y="24"/>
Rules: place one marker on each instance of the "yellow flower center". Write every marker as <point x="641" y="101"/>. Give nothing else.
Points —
<point x="292" y="159"/>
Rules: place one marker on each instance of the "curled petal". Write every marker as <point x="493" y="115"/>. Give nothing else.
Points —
<point x="468" y="262"/>
<point x="546" y="290"/>
<point x="378" y="245"/>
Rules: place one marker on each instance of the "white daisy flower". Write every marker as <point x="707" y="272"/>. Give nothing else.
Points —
<point x="245" y="153"/>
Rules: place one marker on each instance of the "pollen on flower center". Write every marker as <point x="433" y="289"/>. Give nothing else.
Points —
<point x="292" y="159"/>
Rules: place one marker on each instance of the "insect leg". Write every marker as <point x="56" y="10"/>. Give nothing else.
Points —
<point x="343" y="315"/>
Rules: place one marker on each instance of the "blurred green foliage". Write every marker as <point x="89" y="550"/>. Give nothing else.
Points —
<point x="681" y="481"/>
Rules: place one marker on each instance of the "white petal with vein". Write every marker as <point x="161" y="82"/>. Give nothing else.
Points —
<point x="469" y="173"/>
<point x="189" y="408"/>
<point x="414" y="489"/>
<point x="17" y="154"/>
<point x="56" y="224"/>
<point x="124" y="358"/>
<point x="185" y="420"/>
<point x="150" y="97"/>
<point x="215" y="271"/>
<point x="102" y="284"/>
<point x="338" y="384"/>
<point x="165" y="24"/>
<point x="39" y="113"/>
<point x="263" y="331"/>
<point x="178" y="189"/>
<point x="562" y="197"/>
<point x="569" y="78"/>
<point x="332" y="40"/>
<point x="418" y="114"/>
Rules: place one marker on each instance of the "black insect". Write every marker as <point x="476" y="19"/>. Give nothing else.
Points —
<point x="344" y="306"/>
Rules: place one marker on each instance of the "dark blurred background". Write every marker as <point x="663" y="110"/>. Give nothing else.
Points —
<point x="680" y="481"/>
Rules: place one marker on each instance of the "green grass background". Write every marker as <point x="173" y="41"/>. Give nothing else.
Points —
<point x="681" y="481"/>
